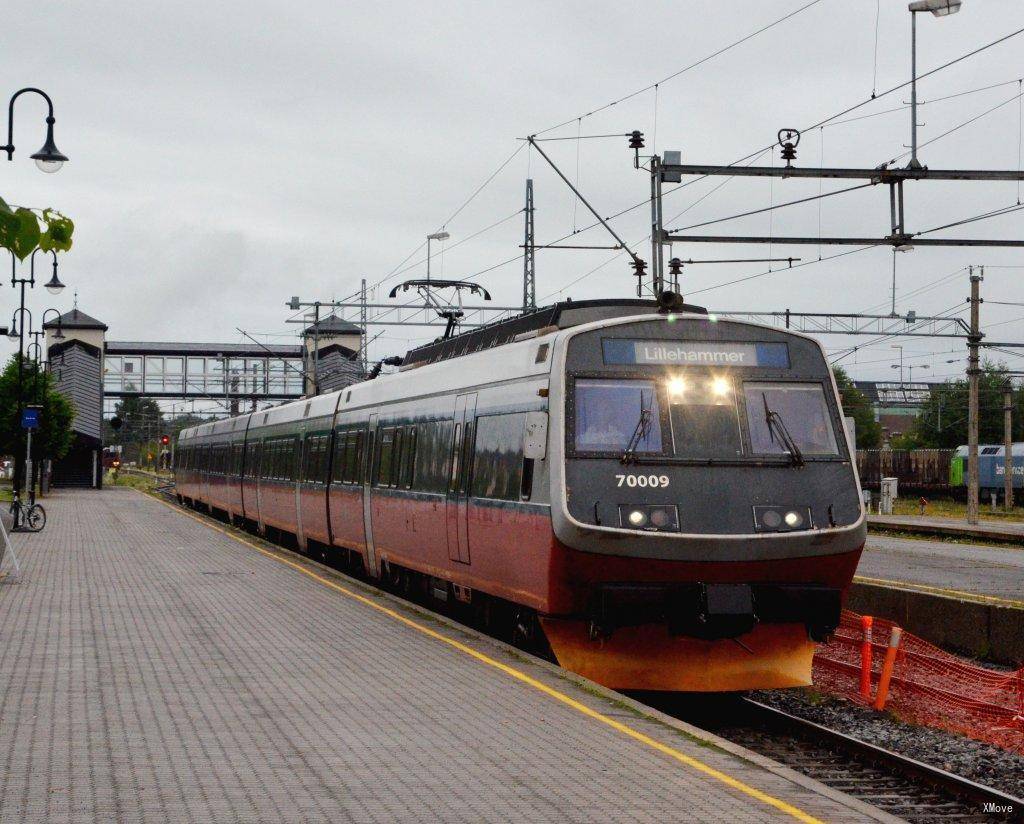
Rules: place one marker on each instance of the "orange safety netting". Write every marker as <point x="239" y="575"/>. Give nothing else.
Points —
<point x="929" y="686"/>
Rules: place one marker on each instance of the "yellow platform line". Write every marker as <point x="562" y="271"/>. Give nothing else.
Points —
<point x="949" y="593"/>
<point x="522" y="677"/>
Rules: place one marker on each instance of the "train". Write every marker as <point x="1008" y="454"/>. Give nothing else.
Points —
<point x="666" y="500"/>
<point x="941" y="471"/>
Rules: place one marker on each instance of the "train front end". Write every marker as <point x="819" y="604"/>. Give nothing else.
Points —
<point x="705" y="502"/>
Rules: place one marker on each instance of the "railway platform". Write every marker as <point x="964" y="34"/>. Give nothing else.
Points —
<point x="968" y="571"/>
<point x="155" y="666"/>
<point x="986" y="530"/>
<point x="965" y="597"/>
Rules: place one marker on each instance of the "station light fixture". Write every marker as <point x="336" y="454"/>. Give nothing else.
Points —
<point x="720" y="386"/>
<point x="49" y="158"/>
<point x="940" y="8"/>
<point x="676" y="387"/>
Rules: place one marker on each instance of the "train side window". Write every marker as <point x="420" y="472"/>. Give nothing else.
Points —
<point x="409" y="458"/>
<point x="429" y="462"/>
<point x="396" y="459"/>
<point x="467" y="457"/>
<point x="324" y="464"/>
<point x="456" y="462"/>
<point x="385" y="457"/>
<point x="308" y="473"/>
<point x="349" y="465"/>
<point x="498" y="466"/>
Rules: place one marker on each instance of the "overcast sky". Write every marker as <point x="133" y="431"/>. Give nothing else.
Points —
<point x="225" y="156"/>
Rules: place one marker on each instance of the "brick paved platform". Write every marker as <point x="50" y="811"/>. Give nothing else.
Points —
<point x="155" y="669"/>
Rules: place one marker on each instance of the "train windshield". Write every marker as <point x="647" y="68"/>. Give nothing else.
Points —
<point x="612" y="415"/>
<point x="705" y="418"/>
<point x="802" y="412"/>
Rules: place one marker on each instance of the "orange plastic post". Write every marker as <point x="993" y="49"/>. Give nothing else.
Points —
<point x="865" y="658"/>
<point x="890" y="659"/>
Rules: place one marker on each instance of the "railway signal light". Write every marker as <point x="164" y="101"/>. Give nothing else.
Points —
<point x="165" y="439"/>
<point x="116" y="423"/>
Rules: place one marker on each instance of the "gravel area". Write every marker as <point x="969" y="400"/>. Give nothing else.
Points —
<point x="972" y="759"/>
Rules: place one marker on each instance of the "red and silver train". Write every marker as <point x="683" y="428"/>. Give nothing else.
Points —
<point x="671" y="498"/>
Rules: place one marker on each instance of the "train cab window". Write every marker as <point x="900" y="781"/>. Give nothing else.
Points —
<point x="609" y="412"/>
<point x="704" y="415"/>
<point x="778" y="412"/>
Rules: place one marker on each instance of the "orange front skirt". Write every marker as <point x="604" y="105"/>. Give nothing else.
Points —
<point x="648" y="658"/>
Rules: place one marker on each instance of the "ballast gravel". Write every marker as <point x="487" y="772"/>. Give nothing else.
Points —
<point x="976" y="760"/>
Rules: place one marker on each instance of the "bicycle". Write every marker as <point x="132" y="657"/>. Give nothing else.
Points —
<point x="29" y="516"/>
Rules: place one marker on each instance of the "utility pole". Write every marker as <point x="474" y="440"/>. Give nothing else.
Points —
<point x="1008" y="445"/>
<point x="972" y="410"/>
<point x="363" y="318"/>
<point x="657" y="229"/>
<point x="529" y="255"/>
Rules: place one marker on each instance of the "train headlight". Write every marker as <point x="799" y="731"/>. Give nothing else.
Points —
<point x="676" y="387"/>
<point x="720" y="387"/>
<point x="782" y="518"/>
<point x="650" y="518"/>
<point x="637" y="518"/>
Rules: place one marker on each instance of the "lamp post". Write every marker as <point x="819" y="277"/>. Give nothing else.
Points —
<point x="49" y="159"/>
<point x="17" y="330"/>
<point x="939" y="8"/>
<point x="435" y="236"/>
<point x="900" y="365"/>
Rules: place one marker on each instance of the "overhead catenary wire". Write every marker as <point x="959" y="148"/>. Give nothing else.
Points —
<point x="833" y="117"/>
<point x="683" y="70"/>
<point x="820" y="123"/>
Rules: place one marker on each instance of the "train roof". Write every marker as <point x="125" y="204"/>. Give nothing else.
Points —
<point x="992" y="449"/>
<point x="561" y="315"/>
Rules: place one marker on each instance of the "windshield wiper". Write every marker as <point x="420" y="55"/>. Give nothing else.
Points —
<point x="640" y="433"/>
<point x="776" y="425"/>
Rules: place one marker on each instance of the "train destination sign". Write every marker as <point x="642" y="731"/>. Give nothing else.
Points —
<point x="629" y="351"/>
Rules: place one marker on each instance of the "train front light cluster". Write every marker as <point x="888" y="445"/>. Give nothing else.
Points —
<point x="782" y="518"/>
<point x="659" y="518"/>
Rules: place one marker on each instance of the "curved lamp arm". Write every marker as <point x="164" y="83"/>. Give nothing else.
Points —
<point x="9" y="148"/>
<point x="59" y="334"/>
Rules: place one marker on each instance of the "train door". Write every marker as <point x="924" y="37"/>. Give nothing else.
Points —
<point x="368" y="464"/>
<point x="457" y="505"/>
<point x="300" y="463"/>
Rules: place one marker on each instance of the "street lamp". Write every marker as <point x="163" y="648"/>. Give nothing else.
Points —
<point x="435" y="236"/>
<point x="59" y="334"/>
<point x="939" y="8"/>
<point x="49" y="158"/>
<point x="911" y="368"/>
<point x="900" y="365"/>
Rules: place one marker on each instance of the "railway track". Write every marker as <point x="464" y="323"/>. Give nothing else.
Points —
<point x="896" y="784"/>
<point x="900" y="786"/>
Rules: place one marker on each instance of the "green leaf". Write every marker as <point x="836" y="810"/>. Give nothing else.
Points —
<point x="26" y="239"/>
<point x="59" y="230"/>
<point x="19" y="232"/>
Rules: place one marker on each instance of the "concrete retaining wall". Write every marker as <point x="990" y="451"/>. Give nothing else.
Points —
<point x="987" y="631"/>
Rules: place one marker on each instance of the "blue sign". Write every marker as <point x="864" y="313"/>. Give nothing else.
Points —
<point x="30" y="418"/>
<point x="630" y="351"/>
